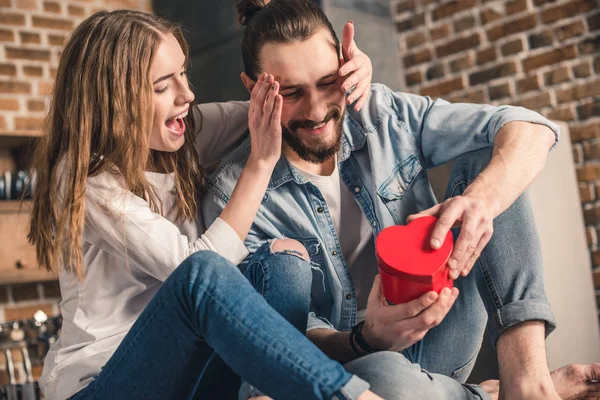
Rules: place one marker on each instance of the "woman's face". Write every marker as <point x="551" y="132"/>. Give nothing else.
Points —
<point x="172" y="96"/>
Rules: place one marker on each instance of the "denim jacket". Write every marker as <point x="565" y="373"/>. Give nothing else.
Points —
<point x="386" y="150"/>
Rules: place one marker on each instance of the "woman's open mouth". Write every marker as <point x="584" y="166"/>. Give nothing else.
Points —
<point x="176" y="125"/>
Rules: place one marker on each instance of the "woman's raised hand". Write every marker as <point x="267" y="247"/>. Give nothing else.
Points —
<point x="356" y="68"/>
<point x="264" y="121"/>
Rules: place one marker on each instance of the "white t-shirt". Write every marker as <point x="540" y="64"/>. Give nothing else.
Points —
<point x="354" y="232"/>
<point x="99" y="311"/>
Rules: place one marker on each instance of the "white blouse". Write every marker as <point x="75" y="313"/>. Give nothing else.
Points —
<point x="128" y="252"/>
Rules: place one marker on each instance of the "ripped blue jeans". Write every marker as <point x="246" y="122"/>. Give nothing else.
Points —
<point x="284" y="279"/>
<point x="505" y="288"/>
<point x="204" y="310"/>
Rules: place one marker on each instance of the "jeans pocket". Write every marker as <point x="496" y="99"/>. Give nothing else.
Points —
<point x="462" y="373"/>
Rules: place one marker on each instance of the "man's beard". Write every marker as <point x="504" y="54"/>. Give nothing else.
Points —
<point x="320" y="151"/>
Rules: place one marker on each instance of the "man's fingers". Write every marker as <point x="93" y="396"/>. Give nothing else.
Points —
<point x="376" y="297"/>
<point x="448" y="216"/>
<point x="485" y="239"/>
<point x="434" y="315"/>
<point x="348" y="40"/>
<point x="466" y="243"/>
<point x="433" y="211"/>
<point x="399" y="312"/>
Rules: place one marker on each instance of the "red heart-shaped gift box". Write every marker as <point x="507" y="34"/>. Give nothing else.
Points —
<point x="408" y="266"/>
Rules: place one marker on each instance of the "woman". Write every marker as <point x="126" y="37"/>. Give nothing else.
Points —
<point x="115" y="210"/>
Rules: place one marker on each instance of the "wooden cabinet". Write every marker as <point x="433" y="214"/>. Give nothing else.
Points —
<point x="17" y="258"/>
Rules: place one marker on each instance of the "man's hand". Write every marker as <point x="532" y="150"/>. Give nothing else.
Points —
<point x="476" y="217"/>
<point x="356" y="67"/>
<point x="396" y="327"/>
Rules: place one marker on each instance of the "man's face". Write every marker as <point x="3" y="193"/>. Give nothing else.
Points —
<point x="313" y="102"/>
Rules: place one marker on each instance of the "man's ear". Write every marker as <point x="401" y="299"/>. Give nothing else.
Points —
<point x="247" y="81"/>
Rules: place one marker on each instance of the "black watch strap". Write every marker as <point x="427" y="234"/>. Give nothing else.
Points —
<point x="360" y="340"/>
<point x="353" y="344"/>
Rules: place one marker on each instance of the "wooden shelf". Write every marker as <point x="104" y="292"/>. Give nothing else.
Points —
<point x="12" y="139"/>
<point x="13" y="276"/>
<point x="15" y="206"/>
<point x="21" y="133"/>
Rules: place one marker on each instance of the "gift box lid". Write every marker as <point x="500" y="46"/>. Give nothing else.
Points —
<point x="404" y="250"/>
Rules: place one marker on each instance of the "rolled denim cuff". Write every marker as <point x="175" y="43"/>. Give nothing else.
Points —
<point x="315" y="322"/>
<point x="352" y="389"/>
<point x="521" y="311"/>
<point x="512" y="114"/>
<point x="478" y="391"/>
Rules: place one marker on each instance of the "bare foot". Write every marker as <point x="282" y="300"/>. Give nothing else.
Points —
<point x="491" y="387"/>
<point x="577" y="381"/>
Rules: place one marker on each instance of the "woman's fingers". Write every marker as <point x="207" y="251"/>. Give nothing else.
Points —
<point x="262" y="93"/>
<point x="270" y="102"/>
<point x="361" y="92"/>
<point x="276" y="117"/>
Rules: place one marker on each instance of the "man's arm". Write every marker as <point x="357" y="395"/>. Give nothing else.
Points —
<point x="388" y="327"/>
<point x="335" y="344"/>
<point x="519" y="154"/>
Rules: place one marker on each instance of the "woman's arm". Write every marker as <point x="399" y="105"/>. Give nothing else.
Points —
<point x="123" y="225"/>
<point x="264" y="120"/>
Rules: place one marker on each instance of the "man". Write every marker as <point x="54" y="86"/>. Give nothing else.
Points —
<point x="346" y="175"/>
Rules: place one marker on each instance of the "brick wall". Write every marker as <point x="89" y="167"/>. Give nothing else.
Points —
<point x="539" y="54"/>
<point x="32" y="33"/>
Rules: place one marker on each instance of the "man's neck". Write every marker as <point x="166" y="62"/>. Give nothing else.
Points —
<point x="325" y="168"/>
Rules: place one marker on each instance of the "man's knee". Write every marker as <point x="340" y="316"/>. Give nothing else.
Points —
<point x="290" y="246"/>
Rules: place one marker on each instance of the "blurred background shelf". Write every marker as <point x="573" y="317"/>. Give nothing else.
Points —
<point x="15" y="206"/>
<point x="16" y="139"/>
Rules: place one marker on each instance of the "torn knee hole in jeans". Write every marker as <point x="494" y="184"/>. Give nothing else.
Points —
<point x="284" y="249"/>
<point x="302" y="255"/>
<point x="292" y="252"/>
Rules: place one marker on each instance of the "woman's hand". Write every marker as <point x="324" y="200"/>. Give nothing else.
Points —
<point x="356" y="67"/>
<point x="264" y="121"/>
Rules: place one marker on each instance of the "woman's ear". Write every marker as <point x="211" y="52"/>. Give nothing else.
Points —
<point x="247" y="81"/>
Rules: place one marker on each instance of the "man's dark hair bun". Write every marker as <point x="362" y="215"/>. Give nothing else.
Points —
<point x="247" y="9"/>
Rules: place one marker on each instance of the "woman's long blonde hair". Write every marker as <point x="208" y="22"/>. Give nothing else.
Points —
<point x="100" y="120"/>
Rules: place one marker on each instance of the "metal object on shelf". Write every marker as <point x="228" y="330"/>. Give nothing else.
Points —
<point x="32" y="338"/>
<point x="15" y="185"/>
<point x="11" y="388"/>
<point x="28" y="390"/>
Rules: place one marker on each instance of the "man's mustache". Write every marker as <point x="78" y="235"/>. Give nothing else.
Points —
<point x="308" y="124"/>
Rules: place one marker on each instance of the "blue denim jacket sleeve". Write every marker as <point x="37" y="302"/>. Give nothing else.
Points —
<point x="446" y="130"/>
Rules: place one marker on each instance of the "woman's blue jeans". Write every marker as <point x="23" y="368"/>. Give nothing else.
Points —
<point x="208" y="307"/>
